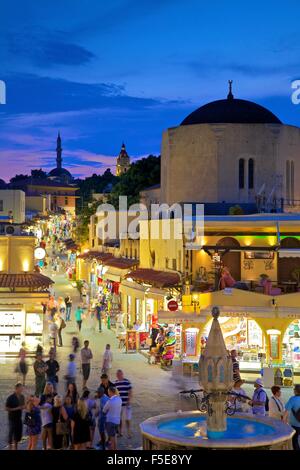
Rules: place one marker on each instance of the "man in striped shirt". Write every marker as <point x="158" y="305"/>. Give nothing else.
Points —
<point x="125" y="391"/>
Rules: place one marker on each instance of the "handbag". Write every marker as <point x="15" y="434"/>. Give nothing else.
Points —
<point x="29" y="420"/>
<point x="61" y="427"/>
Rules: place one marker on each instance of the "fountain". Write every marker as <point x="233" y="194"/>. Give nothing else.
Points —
<point x="215" y="425"/>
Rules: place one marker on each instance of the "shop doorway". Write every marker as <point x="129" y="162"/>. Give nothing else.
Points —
<point x="232" y="259"/>
<point x="286" y="264"/>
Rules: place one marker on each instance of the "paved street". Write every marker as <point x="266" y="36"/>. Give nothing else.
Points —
<point x="155" y="391"/>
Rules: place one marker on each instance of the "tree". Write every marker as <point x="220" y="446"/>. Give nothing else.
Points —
<point x="94" y="184"/>
<point x="38" y="174"/>
<point x="141" y="174"/>
<point x="19" y="178"/>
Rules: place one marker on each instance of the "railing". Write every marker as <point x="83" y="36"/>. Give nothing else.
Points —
<point x="204" y="406"/>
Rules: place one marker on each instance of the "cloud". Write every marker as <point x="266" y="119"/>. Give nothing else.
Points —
<point x="46" y="49"/>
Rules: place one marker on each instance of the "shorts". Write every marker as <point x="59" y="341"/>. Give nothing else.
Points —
<point x="15" y="429"/>
<point x="86" y="369"/>
<point x="126" y="413"/>
<point x="111" y="429"/>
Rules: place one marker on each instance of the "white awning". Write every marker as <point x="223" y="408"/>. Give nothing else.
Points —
<point x="179" y="317"/>
<point x="133" y="289"/>
<point x="289" y="253"/>
<point x="154" y="293"/>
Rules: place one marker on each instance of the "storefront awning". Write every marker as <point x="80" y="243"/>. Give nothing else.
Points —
<point x="132" y="289"/>
<point x="154" y="293"/>
<point x="289" y="253"/>
<point x="29" y="280"/>
<point x="154" y="277"/>
<point x="97" y="255"/>
<point x="121" y="263"/>
<point x="179" y="317"/>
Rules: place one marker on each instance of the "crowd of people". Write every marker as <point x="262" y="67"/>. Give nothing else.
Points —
<point x="260" y="404"/>
<point x="69" y="420"/>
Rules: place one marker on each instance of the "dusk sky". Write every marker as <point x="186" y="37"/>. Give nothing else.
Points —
<point x="104" y="72"/>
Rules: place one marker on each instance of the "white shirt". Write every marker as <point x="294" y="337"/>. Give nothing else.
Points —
<point x="107" y="359"/>
<point x="46" y="414"/>
<point x="113" y="409"/>
<point x="276" y="408"/>
<point x="53" y="329"/>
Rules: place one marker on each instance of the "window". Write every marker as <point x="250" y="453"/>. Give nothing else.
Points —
<point x="93" y="242"/>
<point x="287" y="182"/>
<point x="251" y="173"/>
<point x="66" y="201"/>
<point x="1" y="205"/>
<point x="241" y="173"/>
<point x="135" y="253"/>
<point x="174" y="264"/>
<point x="292" y="183"/>
<point x="167" y="263"/>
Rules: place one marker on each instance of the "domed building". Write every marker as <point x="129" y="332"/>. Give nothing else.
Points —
<point x="231" y="151"/>
<point x="59" y="174"/>
<point x="123" y="161"/>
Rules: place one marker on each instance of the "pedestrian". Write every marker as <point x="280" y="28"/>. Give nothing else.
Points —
<point x="124" y="388"/>
<point x="48" y="390"/>
<point x="40" y="368"/>
<point x="238" y="399"/>
<point x="52" y="369"/>
<point x="53" y="332"/>
<point x="15" y="404"/>
<point x="33" y="421"/>
<point x="103" y="398"/>
<point x="98" y="310"/>
<point x="91" y="405"/>
<point x="293" y="415"/>
<point x="68" y="302"/>
<point x="86" y="356"/>
<point x="60" y="326"/>
<point x="259" y="399"/>
<point x="60" y="418"/>
<point x="81" y="425"/>
<point x="70" y="409"/>
<point x="22" y="367"/>
<point x="72" y="393"/>
<point x="71" y="370"/>
<point x="105" y="383"/>
<point x="75" y="344"/>
<point x="235" y="366"/>
<point x="112" y="410"/>
<point x="47" y="421"/>
<point x="276" y="406"/>
<point x="78" y="316"/>
<point x="61" y="305"/>
<point x="107" y="360"/>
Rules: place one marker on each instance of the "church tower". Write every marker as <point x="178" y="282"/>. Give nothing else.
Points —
<point x="123" y="161"/>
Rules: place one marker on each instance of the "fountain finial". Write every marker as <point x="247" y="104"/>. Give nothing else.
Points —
<point x="215" y="312"/>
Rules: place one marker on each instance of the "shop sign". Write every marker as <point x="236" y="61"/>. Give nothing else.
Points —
<point x="172" y="305"/>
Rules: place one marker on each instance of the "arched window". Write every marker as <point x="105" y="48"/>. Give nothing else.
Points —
<point x="222" y="374"/>
<point x="292" y="183"/>
<point x="250" y="173"/>
<point x="209" y="373"/>
<point x="241" y="173"/>
<point x="288" y="182"/>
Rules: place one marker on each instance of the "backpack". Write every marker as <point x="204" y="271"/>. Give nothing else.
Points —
<point x="63" y="324"/>
<point x="296" y="414"/>
<point x="267" y="399"/>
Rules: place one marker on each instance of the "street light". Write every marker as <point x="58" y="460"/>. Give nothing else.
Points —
<point x="195" y="302"/>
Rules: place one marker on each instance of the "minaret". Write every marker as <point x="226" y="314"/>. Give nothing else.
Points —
<point x="58" y="152"/>
<point x="123" y="161"/>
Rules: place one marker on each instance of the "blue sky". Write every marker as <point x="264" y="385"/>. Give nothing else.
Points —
<point x="103" y="72"/>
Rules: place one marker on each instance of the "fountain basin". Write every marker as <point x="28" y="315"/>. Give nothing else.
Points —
<point x="187" y="431"/>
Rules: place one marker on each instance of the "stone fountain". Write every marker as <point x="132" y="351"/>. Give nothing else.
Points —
<point x="210" y="427"/>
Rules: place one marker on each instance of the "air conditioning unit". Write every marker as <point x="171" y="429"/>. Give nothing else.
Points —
<point x="10" y="229"/>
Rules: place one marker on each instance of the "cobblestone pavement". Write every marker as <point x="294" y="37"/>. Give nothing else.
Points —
<point x="155" y="391"/>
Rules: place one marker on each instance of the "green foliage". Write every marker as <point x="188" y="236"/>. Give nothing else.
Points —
<point x="19" y="178"/>
<point x="83" y="220"/>
<point x="38" y="174"/>
<point x="236" y="210"/>
<point x="141" y="174"/>
<point x="93" y="184"/>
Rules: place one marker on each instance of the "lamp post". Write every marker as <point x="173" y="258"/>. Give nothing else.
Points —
<point x="195" y="302"/>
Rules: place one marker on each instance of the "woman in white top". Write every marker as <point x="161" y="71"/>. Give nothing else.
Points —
<point x="240" y="405"/>
<point x="276" y="406"/>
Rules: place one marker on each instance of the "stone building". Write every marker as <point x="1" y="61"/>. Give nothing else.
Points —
<point x="123" y="161"/>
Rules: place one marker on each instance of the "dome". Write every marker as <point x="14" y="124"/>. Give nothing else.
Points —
<point x="231" y="111"/>
<point x="59" y="172"/>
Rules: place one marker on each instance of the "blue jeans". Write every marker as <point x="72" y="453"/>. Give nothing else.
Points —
<point x="68" y="313"/>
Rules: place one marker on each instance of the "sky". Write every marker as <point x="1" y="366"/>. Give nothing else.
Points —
<point x="105" y="72"/>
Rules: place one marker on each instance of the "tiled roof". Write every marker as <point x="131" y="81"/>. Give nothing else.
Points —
<point x="154" y="277"/>
<point x="121" y="263"/>
<point x="30" y="280"/>
<point x="89" y="255"/>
